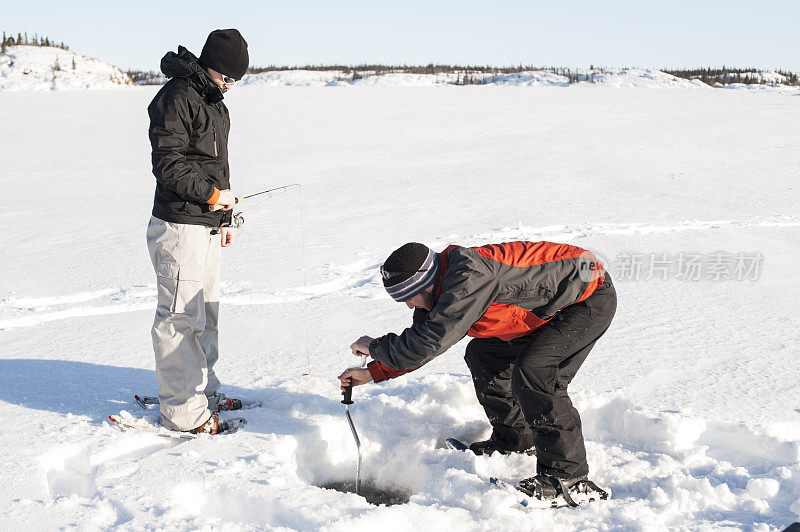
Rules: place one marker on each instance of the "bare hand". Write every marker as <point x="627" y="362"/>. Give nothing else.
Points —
<point x="361" y="346"/>
<point x="226" y="200"/>
<point x="354" y="377"/>
<point x="227" y="236"/>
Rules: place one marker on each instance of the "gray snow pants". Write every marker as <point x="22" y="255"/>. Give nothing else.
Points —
<point x="186" y="259"/>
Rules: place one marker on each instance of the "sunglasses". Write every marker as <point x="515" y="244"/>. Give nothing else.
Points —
<point x="228" y="81"/>
<point x="388" y="275"/>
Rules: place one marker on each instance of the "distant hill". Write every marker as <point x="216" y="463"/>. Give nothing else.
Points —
<point x="617" y="77"/>
<point x="46" y="68"/>
<point x="359" y="75"/>
<point x="736" y="77"/>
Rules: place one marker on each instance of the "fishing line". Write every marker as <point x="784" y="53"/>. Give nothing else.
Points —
<point x="269" y="194"/>
<point x="305" y="285"/>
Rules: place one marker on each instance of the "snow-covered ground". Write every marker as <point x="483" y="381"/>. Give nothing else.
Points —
<point x="690" y="402"/>
<point x="34" y="68"/>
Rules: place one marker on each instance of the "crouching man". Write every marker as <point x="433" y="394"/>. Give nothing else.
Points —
<point x="534" y="310"/>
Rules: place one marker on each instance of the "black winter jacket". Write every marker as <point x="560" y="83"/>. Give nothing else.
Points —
<point x="189" y="128"/>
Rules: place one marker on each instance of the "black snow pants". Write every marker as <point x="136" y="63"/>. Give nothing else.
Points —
<point x="522" y="384"/>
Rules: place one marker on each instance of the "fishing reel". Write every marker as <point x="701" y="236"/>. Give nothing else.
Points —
<point x="238" y="220"/>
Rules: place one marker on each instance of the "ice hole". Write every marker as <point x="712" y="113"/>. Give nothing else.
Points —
<point x="373" y="493"/>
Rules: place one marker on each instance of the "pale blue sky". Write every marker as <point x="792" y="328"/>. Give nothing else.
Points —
<point x="673" y="33"/>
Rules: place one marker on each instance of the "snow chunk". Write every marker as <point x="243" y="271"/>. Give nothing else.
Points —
<point x="763" y="487"/>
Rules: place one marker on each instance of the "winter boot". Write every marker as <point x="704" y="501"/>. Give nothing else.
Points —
<point x="209" y="427"/>
<point x="223" y="404"/>
<point x="586" y="489"/>
<point x="541" y="486"/>
<point x="495" y="445"/>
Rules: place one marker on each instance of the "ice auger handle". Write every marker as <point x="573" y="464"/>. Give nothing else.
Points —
<point x="348" y="395"/>
<point x="217" y="207"/>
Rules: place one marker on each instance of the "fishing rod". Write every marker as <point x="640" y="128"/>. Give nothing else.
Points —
<point x="237" y="199"/>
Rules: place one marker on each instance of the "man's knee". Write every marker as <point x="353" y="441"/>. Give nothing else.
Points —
<point x="534" y="389"/>
<point x="475" y="356"/>
<point x="535" y="378"/>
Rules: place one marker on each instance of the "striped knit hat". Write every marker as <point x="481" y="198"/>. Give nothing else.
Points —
<point x="409" y="270"/>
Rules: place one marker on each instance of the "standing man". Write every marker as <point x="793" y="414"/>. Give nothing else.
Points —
<point x="191" y="219"/>
<point x="535" y="310"/>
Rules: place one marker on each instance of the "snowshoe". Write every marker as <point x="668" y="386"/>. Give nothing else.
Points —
<point x="456" y="445"/>
<point x="574" y="490"/>
<point x="223" y="403"/>
<point x="146" y="402"/>
<point x="484" y="447"/>
<point x="491" y="446"/>
<point x="126" y="422"/>
<point x="212" y="426"/>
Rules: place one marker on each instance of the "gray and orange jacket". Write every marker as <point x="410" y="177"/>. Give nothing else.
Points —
<point x="500" y="291"/>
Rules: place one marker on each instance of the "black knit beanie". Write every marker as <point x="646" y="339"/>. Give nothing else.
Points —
<point x="226" y="52"/>
<point x="409" y="270"/>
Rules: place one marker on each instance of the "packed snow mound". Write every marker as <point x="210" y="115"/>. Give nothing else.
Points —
<point x="769" y="87"/>
<point x="616" y="77"/>
<point x="310" y="78"/>
<point x="638" y="77"/>
<point x="35" y="68"/>
<point x="532" y="78"/>
<point x="666" y="469"/>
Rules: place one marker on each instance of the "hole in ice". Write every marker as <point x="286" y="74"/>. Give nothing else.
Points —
<point x="374" y="494"/>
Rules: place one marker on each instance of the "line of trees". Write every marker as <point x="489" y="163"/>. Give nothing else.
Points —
<point x="22" y="39"/>
<point x="727" y="75"/>
<point x="414" y="69"/>
<point x="144" y="77"/>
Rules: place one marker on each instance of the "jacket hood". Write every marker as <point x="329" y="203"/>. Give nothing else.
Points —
<point x="184" y="65"/>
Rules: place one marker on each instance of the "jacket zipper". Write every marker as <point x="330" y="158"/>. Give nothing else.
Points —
<point x="214" y="129"/>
